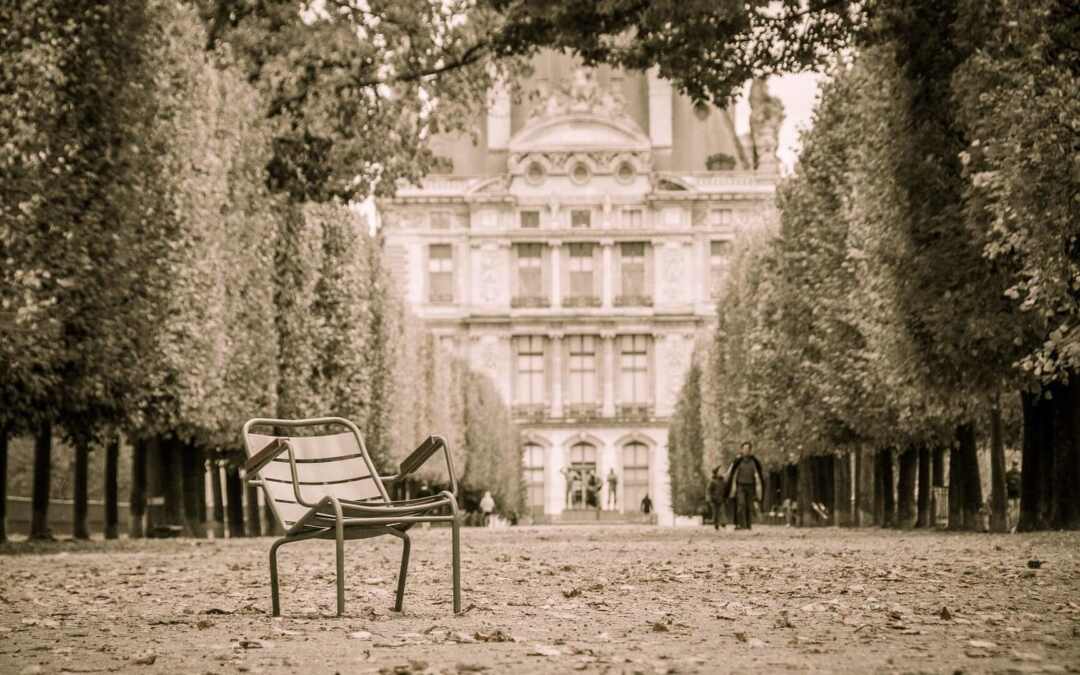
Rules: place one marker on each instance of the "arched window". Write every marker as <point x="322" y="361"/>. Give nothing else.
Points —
<point x="533" y="463"/>
<point x="582" y="463"/>
<point x="635" y="458"/>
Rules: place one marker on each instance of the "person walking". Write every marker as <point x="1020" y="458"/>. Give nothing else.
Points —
<point x="718" y="497"/>
<point x="487" y="505"/>
<point x="646" y="505"/>
<point x="612" y="489"/>
<point x="745" y="483"/>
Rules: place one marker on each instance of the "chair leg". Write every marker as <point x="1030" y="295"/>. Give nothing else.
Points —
<point x="340" y="568"/>
<point x="456" y="546"/>
<point x="406" y="544"/>
<point x="275" y="604"/>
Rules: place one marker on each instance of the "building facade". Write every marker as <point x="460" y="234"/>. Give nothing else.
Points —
<point x="572" y="255"/>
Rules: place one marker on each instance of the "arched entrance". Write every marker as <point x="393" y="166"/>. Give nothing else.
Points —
<point x="580" y="467"/>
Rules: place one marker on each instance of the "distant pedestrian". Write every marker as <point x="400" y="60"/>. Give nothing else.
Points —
<point x="592" y="487"/>
<point x="612" y="489"/>
<point x="745" y="483"/>
<point x="1012" y="490"/>
<point x="487" y="505"/>
<point x="718" y="498"/>
<point x="646" y="504"/>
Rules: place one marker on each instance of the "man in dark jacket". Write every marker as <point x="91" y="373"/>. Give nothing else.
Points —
<point x="745" y="483"/>
<point x="718" y="497"/>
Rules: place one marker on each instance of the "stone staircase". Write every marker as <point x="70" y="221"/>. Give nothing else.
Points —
<point x="595" y="517"/>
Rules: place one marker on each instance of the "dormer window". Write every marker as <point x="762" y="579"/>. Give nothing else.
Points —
<point x="625" y="173"/>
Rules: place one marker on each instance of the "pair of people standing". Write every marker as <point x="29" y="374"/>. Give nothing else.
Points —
<point x="745" y="484"/>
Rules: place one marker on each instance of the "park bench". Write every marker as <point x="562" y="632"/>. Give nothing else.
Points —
<point x="321" y="484"/>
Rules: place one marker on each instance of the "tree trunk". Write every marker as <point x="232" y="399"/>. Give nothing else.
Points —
<point x="956" y="489"/>
<point x="219" y="500"/>
<point x="888" y="502"/>
<point x="805" y="487"/>
<point x="155" y="499"/>
<point x="254" y="515"/>
<point x="1065" y="513"/>
<point x="112" y="487"/>
<point x="80" y="509"/>
<point x="973" y="501"/>
<point x="39" y="521"/>
<point x="137" y="503"/>
<point x="865" y="500"/>
<point x="925" y="517"/>
<point x="272" y="528"/>
<point x="200" y="486"/>
<point x="234" y="494"/>
<point x="905" y="487"/>
<point x="842" y="496"/>
<point x="191" y="474"/>
<point x="3" y="483"/>
<point x="172" y="489"/>
<point x="879" y="493"/>
<point x="999" y="499"/>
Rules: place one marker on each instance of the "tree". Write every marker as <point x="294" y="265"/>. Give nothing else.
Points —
<point x="685" y="447"/>
<point x="1017" y="101"/>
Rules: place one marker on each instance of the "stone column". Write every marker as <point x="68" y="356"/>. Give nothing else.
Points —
<point x="608" y="404"/>
<point x="556" y="274"/>
<point x="655" y="376"/>
<point x="556" y="374"/>
<point x="608" y="272"/>
<point x="554" y="481"/>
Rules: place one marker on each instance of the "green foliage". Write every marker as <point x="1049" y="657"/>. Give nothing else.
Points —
<point x="212" y="360"/>
<point x="1019" y="104"/>
<point x="491" y="445"/>
<point x="686" y="443"/>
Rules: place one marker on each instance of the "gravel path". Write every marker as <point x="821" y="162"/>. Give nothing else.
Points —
<point x="554" y="599"/>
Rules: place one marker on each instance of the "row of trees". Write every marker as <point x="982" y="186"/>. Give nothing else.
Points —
<point x="168" y="272"/>
<point x="921" y="292"/>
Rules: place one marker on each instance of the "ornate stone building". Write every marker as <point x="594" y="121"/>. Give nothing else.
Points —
<point x="572" y="254"/>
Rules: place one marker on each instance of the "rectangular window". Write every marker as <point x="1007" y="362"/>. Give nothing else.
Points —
<point x="581" y="218"/>
<point x="581" y="270"/>
<point x="530" y="370"/>
<point x="632" y="270"/>
<point x="530" y="219"/>
<point x="440" y="274"/>
<point x="720" y="218"/>
<point x="440" y="220"/>
<point x="530" y="271"/>
<point x="719" y="254"/>
<point x="581" y="370"/>
<point x="634" y="369"/>
<point x="633" y="218"/>
<point x="533" y="463"/>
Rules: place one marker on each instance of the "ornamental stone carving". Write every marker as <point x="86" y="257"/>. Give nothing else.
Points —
<point x="766" y="116"/>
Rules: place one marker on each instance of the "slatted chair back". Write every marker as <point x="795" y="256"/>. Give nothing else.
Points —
<point x="326" y="464"/>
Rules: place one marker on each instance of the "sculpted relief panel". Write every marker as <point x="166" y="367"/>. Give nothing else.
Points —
<point x="673" y="265"/>
<point x="490" y="267"/>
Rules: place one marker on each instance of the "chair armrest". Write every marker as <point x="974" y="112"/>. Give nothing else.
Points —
<point x="422" y="454"/>
<point x="265" y="456"/>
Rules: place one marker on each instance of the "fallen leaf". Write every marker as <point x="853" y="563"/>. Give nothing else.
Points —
<point x="544" y="650"/>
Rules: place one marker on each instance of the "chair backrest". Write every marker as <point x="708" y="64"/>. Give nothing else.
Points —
<point x="326" y="464"/>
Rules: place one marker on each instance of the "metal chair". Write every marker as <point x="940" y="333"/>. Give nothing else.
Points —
<point x="324" y="486"/>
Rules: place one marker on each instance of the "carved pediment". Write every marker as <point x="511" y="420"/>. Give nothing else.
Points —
<point x="580" y="132"/>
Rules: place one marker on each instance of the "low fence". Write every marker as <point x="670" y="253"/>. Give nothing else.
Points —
<point x="61" y="516"/>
